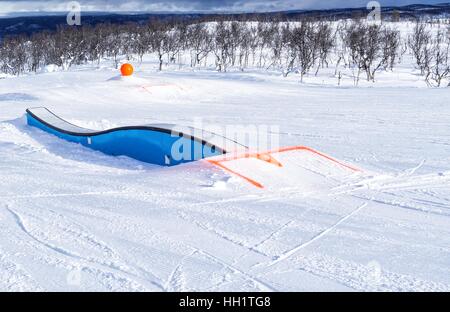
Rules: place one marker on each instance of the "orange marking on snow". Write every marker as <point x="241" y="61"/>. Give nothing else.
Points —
<point x="253" y="182"/>
<point x="293" y="148"/>
<point x="264" y="155"/>
<point x="267" y="157"/>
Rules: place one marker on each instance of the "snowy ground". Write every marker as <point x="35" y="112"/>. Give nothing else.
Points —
<point x="73" y="219"/>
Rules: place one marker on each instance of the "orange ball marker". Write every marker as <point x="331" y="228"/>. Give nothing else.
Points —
<point x="127" y="69"/>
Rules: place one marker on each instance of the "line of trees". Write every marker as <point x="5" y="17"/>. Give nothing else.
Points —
<point x="431" y="53"/>
<point x="303" y="47"/>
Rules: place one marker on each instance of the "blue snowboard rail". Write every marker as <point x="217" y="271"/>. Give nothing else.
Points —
<point x="160" y="144"/>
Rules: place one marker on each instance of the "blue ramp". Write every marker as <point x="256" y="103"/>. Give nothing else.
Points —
<point x="160" y="144"/>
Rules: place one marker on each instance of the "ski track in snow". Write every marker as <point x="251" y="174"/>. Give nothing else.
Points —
<point x="294" y="250"/>
<point x="92" y="263"/>
<point x="362" y="277"/>
<point x="14" y="278"/>
<point x="126" y="226"/>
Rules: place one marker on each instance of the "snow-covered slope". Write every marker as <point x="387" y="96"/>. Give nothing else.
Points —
<point x="75" y="219"/>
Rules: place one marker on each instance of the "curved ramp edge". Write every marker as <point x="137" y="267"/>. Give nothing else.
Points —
<point x="162" y="144"/>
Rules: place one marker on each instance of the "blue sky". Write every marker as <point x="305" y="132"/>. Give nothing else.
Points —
<point x="8" y="6"/>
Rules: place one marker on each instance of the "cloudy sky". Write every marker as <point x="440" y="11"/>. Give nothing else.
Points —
<point x="16" y="6"/>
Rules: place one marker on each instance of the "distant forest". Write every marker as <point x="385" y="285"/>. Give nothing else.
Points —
<point x="298" y="43"/>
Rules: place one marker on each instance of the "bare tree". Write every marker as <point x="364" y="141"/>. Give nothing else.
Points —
<point x="37" y="48"/>
<point x="390" y="45"/>
<point x="365" y="42"/>
<point x="279" y="43"/>
<point x="303" y="49"/>
<point x="14" y="55"/>
<point x="158" y="40"/>
<point x="418" y="42"/>
<point x="236" y="31"/>
<point x="141" y="42"/>
<point x="439" y="68"/>
<point x="114" y="43"/>
<point x="341" y="46"/>
<point x="221" y="45"/>
<point x="324" y="41"/>
<point x="200" y="41"/>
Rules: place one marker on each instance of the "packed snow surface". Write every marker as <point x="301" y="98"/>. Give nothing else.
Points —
<point x="75" y="219"/>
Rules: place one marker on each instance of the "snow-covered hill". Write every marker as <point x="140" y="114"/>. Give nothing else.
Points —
<point x="74" y="219"/>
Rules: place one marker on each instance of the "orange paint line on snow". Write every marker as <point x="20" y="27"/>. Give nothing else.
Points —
<point x="251" y="181"/>
<point x="267" y="157"/>
<point x="288" y="149"/>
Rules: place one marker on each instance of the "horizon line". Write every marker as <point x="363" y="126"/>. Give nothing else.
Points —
<point x="200" y="12"/>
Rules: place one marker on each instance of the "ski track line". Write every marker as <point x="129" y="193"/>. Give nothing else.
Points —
<point x="21" y="225"/>
<point x="211" y="230"/>
<point x="272" y="235"/>
<point x="220" y="235"/>
<point x="94" y="262"/>
<point x="248" y="249"/>
<point x="15" y="278"/>
<point x="64" y="195"/>
<point x="269" y="237"/>
<point x="142" y="271"/>
<point x="291" y="252"/>
<point x="170" y="283"/>
<point x="258" y="282"/>
<point x="410" y="182"/>
<point x="402" y="182"/>
<point x="362" y="277"/>
<point x="434" y="195"/>
<point x="231" y="267"/>
<point x="110" y="251"/>
<point x="402" y="206"/>
<point x="411" y="171"/>
<point x="413" y="196"/>
<point x="268" y="196"/>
